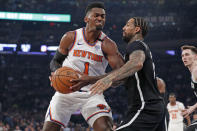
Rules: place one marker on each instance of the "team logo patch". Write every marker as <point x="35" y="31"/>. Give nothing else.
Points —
<point x="101" y="106"/>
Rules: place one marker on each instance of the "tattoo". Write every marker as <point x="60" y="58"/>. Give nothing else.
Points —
<point x="135" y="63"/>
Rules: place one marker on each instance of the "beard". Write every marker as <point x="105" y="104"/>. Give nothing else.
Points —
<point x="126" y="39"/>
<point x="99" y="28"/>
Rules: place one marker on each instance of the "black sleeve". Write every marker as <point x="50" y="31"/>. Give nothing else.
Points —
<point x="136" y="45"/>
<point x="57" y="61"/>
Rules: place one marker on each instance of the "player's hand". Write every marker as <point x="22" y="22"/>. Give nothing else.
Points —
<point x="50" y="78"/>
<point x="82" y="81"/>
<point x="188" y="111"/>
<point x="101" y="85"/>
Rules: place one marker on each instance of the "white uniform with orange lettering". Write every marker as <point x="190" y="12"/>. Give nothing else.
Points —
<point x="176" y="119"/>
<point x="87" y="58"/>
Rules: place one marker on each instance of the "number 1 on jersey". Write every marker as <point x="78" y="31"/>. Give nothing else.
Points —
<point x="86" y="69"/>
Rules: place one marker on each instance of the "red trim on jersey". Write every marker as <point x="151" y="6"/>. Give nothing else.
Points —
<point x="75" y="37"/>
<point x="106" y="111"/>
<point x="83" y="32"/>
<point x="59" y="123"/>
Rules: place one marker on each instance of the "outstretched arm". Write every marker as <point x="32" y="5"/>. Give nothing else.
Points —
<point x="135" y="63"/>
<point x="188" y="111"/>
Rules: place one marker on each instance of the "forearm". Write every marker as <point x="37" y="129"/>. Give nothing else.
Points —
<point x="195" y="106"/>
<point x="57" y="61"/>
<point x="125" y="71"/>
<point x="54" y="65"/>
<point x="188" y="120"/>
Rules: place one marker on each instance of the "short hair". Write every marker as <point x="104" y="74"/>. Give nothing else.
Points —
<point x="192" y="48"/>
<point x="172" y="94"/>
<point x="140" y="22"/>
<point x="94" y="5"/>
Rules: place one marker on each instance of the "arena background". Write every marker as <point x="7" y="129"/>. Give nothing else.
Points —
<point x="25" y="89"/>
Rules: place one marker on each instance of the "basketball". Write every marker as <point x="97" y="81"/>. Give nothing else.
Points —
<point x="61" y="79"/>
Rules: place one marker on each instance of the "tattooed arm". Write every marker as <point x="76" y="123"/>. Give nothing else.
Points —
<point x="135" y="63"/>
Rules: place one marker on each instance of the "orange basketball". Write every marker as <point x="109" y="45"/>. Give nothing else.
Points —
<point x="61" y="79"/>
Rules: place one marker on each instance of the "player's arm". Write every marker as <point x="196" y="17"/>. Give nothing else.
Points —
<point x="188" y="120"/>
<point x="112" y="54"/>
<point x="135" y="63"/>
<point x="161" y="85"/>
<point x="62" y="51"/>
<point x="189" y="110"/>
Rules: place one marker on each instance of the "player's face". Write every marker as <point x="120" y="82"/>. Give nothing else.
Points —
<point x="172" y="99"/>
<point x="96" y="18"/>
<point x="129" y="30"/>
<point x="188" y="57"/>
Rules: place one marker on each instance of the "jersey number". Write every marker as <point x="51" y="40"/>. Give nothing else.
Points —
<point x="86" y="69"/>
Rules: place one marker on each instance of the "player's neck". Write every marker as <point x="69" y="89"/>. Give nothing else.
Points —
<point x="192" y="66"/>
<point x="137" y="37"/>
<point x="91" y="35"/>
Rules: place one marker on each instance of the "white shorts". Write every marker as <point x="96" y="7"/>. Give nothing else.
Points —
<point x="175" y="126"/>
<point x="62" y="106"/>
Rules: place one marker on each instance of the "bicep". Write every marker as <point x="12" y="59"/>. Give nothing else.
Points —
<point x="137" y="57"/>
<point x="113" y="56"/>
<point x="66" y="42"/>
<point x="115" y="60"/>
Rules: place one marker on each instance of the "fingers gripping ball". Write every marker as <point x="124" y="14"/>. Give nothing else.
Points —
<point x="61" y="79"/>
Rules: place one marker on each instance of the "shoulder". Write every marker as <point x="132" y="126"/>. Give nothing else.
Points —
<point x="69" y="34"/>
<point x="108" y="44"/>
<point x="107" y="41"/>
<point x="139" y="43"/>
<point x="179" y="103"/>
<point x="136" y="45"/>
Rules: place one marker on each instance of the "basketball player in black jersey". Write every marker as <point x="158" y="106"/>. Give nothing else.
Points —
<point x="189" y="58"/>
<point x="145" y="105"/>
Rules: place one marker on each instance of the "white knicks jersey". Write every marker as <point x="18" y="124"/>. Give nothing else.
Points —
<point x="85" y="57"/>
<point x="175" y="112"/>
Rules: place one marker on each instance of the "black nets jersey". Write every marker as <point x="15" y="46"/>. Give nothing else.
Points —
<point x="194" y="87"/>
<point x="141" y="87"/>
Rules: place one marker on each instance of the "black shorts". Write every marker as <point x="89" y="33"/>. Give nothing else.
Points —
<point x="149" y="118"/>
<point x="192" y="127"/>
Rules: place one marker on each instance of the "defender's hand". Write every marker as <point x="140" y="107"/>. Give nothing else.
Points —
<point x="188" y="111"/>
<point x="82" y="81"/>
<point x="100" y="86"/>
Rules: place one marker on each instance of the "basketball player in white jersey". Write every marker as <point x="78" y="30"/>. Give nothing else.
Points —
<point x="87" y="50"/>
<point x="175" y="109"/>
<point x="189" y="58"/>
